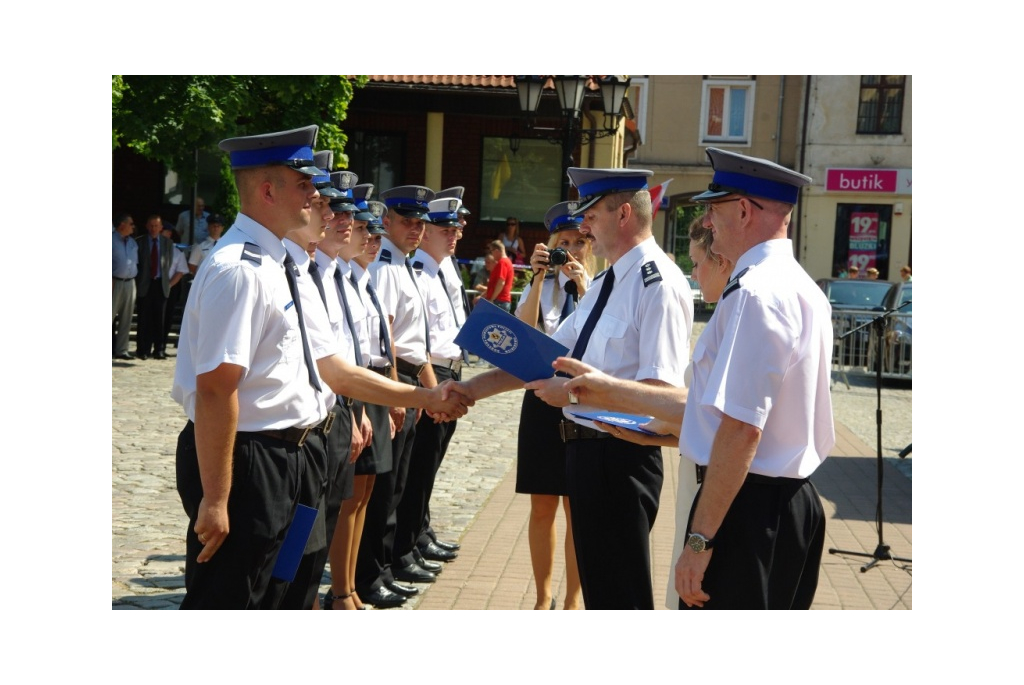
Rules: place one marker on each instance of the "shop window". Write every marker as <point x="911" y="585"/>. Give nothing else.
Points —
<point x="727" y="111"/>
<point x="881" y="104"/>
<point x="524" y="183"/>
<point x="862" y="238"/>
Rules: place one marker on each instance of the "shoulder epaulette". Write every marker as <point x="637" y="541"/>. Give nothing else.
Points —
<point x="650" y="273"/>
<point x="734" y="283"/>
<point x="253" y="253"/>
<point x="385" y="255"/>
<point x="418" y="266"/>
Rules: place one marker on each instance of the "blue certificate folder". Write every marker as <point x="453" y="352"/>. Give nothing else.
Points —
<point x="631" y="422"/>
<point x="294" y="543"/>
<point x="496" y="336"/>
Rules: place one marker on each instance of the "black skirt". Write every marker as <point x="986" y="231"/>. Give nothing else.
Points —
<point x="376" y="458"/>
<point x="540" y="466"/>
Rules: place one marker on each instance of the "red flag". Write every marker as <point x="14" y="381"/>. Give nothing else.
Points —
<point x="657" y="194"/>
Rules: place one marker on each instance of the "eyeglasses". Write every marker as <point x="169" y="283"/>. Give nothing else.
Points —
<point x="709" y="205"/>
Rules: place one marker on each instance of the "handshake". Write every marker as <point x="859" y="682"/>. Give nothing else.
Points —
<point x="449" y="401"/>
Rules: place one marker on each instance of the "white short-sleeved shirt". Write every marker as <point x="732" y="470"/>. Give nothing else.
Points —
<point x="441" y="312"/>
<point x="200" y="252"/>
<point x="551" y="305"/>
<point x="240" y="311"/>
<point x="178" y="264"/>
<point x="644" y="331"/>
<point x="375" y="350"/>
<point x="358" y="310"/>
<point x="453" y="281"/>
<point x="401" y="299"/>
<point x="765" y="359"/>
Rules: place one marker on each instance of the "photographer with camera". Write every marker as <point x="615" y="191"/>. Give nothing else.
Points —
<point x="562" y="272"/>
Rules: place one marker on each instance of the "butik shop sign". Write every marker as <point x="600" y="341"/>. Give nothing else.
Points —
<point x="884" y="181"/>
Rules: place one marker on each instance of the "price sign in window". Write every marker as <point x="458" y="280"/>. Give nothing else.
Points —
<point x="862" y="238"/>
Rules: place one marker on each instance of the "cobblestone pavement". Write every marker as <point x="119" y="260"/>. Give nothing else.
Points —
<point x="148" y="523"/>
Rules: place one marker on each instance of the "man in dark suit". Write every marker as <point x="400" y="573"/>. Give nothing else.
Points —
<point x="156" y="256"/>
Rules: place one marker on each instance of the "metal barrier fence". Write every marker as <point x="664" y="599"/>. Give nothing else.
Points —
<point x="858" y="353"/>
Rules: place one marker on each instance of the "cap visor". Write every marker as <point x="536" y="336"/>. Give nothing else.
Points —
<point x="410" y="212"/>
<point x="308" y="170"/>
<point x="711" y="195"/>
<point x="344" y="207"/>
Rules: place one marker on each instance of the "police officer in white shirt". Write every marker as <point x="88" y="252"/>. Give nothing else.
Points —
<point x="402" y="301"/>
<point x="200" y="251"/>
<point x="246" y="381"/>
<point x="632" y="323"/>
<point x="440" y="236"/>
<point x="759" y="417"/>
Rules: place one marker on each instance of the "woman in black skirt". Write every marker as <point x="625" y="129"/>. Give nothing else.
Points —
<point x="540" y="472"/>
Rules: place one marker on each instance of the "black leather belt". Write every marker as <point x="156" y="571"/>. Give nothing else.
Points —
<point x="751" y="477"/>
<point x="454" y="365"/>
<point x="408" y="369"/>
<point x="574" y="431"/>
<point x="382" y="370"/>
<point x="123" y="279"/>
<point x="344" y="401"/>
<point x="299" y="435"/>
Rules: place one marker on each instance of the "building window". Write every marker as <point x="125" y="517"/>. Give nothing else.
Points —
<point x="862" y="238"/>
<point x="377" y="159"/>
<point x="727" y="111"/>
<point x="881" y="104"/>
<point x="522" y="184"/>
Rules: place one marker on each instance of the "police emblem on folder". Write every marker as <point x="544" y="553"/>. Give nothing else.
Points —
<point x="496" y="336"/>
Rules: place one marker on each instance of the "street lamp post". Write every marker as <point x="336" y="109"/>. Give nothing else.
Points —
<point x="571" y="90"/>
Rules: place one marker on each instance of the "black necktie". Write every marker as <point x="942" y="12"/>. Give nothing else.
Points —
<point x="291" y="272"/>
<point x="339" y="280"/>
<point x="572" y="294"/>
<point x="462" y="287"/>
<point x="385" y="340"/>
<point x="315" y="273"/>
<point x="423" y="306"/>
<point x="444" y="284"/>
<point x="595" y="314"/>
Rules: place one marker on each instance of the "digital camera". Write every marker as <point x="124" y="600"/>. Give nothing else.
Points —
<point x="558" y="256"/>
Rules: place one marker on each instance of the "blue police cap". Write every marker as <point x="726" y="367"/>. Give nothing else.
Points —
<point x="360" y="197"/>
<point x="408" y="201"/>
<point x="737" y="174"/>
<point x="444" y="212"/>
<point x="343" y="182"/>
<point x="454" y="191"/>
<point x="293" y="149"/>
<point x="377" y="211"/>
<point x="324" y="160"/>
<point x="593" y="184"/>
<point x="560" y="217"/>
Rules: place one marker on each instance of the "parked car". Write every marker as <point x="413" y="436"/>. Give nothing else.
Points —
<point x="896" y="360"/>
<point x="853" y="301"/>
<point x="698" y="296"/>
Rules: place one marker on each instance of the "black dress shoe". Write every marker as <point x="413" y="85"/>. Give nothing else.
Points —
<point x="413" y="573"/>
<point x="160" y="355"/>
<point x="404" y="590"/>
<point x="434" y="552"/>
<point x="139" y="355"/>
<point x="383" y="598"/>
<point x="431" y="566"/>
<point x="125" y="355"/>
<point x="450" y="546"/>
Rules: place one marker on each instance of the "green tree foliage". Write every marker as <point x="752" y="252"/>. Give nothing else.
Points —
<point x="166" y="118"/>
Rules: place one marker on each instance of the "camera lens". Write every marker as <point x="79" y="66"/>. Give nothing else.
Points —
<point x="558" y="256"/>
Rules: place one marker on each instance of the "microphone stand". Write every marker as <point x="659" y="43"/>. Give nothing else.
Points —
<point x="882" y="551"/>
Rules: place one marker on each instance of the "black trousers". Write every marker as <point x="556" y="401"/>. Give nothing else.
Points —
<point x="266" y="480"/>
<point x="768" y="549"/>
<point x="614" y="490"/>
<point x="150" y="334"/>
<point x="302" y="592"/>
<point x="373" y="565"/>
<point x="428" y="450"/>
